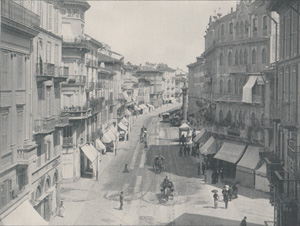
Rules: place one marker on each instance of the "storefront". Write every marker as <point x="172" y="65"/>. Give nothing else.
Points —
<point x="89" y="161"/>
<point x="228" y="155"/>
<point x="23" y="214"/>
<point x="100" y="146"/>
<point x="209" y="149"/>
<point x="123" y="131"/>
<point x="108" y="140"/>
<point x="245" y="171"/>
<point x="261" y="181"/>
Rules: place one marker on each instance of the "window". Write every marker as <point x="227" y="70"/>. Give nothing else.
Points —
<point x="40" y="11"/>
<point x="237" y="27"/>
<point x="264" y="56"/>
<point x="20" y="71"/>
<point x="47" y="150"/>
<point x="236" y="58"/>
<point x="6" y="192"/>
<point x="294" y="34"/>
<point x="265" y="25"/>
<point x="253" y="56"/>
<point x="222" y="32"/>
<point x="229" y="58"/>
<point x="245" y="57"/>
<point x="4" y="130"/>
<point x="20" y="125"/>
<point x="56" y="57"/>
<point x="5" y="78"/>
<point x="220" y="116"/>
<point x="56" y="22"/>
<point x="221" y="59"/>
<point x="286" y="90"/>
<point x="229" y="86"/>
<point x="242" y="29"/>
<point x="236" y="87"/>
<point x="288" y="36"/>
<point x="282" y="39"/>
<point x="48" y="56"/>
<point x="50" y="16"/>
<point x="241" y="85"/>
<point x="241" y="57"/>
<point x="221" y="86"/>
<point x="254" y="25"/>
<point x="22" y="177"/>
<point x="246" y="29"/>
<point x="48" y="104"/>
<point x="230" y="28"/>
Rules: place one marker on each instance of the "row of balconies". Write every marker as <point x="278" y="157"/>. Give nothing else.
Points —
<point x="77" y="113"/>
<point x="47" y="69"/>
<point x="47" y="125"/>
<point x="19" y="14"/>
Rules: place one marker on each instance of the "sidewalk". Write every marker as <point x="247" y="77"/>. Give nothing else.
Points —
<point x="75" y="194"/>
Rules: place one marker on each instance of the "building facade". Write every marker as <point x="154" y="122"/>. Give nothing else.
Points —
<point x="283" y="160"/>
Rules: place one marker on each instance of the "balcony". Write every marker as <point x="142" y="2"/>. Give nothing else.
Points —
<point x="227" y="97"/>
<point x="25" y="154"/>
<point x="60" y="73"/>
<point x="44" y="71"/>
<point x="77" y="113"/>
<point x="17" y="17"/>
<point x="44" y="126"/>
<point x="76" y="80"/>
<point x="61" y="120"/>
<point x="76" y="43"/>
<point x="100" y="85"/>
<point x="68" y="142"/>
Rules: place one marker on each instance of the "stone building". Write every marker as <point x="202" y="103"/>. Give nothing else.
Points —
<point x="283" y="159"/>
<point x="168" y="82"/>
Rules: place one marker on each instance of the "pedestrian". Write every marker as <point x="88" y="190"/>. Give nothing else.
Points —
<point x="216" y="198"/>
<point x="243" y="222"/>
<point x="199" y="168"/>
<point x="126" y="168"/>
<point x="235" y="190"/>
<point x="230" y="192"/>
<point x="121" y="200"/>
<point x="221" y="173"/>
<point x="225" y="193"/>
<point x="203" y="168"/>
<point x="61" y="209"/>
<point x="185" y="151"/>
<point x="146" y="144"/>
<point x="217" y="175"/>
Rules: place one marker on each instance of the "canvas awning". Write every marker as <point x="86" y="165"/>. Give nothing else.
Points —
<point x="200" y="136"/>
<point x="127" y="112"/>
<point x="114" y="131"/>
<point x="150" y="106"/>
<point x="100" y="146"/>
<point x="90" y="152"/>
<point x="136" y="108"/>
<point x="108" y="137"/>
<point x="250" y="159"/>
<point x="210" y="147"/>
<point x="230" y="152"/>
<point x="184" y="125"/>
<point x="125" y="121"/>
<point x="142" y="106"/>
<point x="24" y="214"/>
<point x="122" y="126"/>
<point x="247" y="89"/>
<point x="262" y="171"/>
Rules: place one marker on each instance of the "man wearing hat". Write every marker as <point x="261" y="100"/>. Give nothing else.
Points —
<point x="225" y="193"/>
<point x="243" y="222"/>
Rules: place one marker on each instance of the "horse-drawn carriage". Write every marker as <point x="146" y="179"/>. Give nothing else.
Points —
<point x="159" y="164"/>
<point x="167" y="189"/>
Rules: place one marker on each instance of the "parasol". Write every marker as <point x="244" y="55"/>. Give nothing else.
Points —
<point x="214" y="191"/>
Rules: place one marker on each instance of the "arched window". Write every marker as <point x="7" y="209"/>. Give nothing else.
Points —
<point x="236" y="57"/>
<point x="246" y="28"/>
<point x="229" y="86"/>
<point x="254" y="25"/>
<point x="241" y="85"/>
<point x="221" y="86"/>
<point x="55" y="178"/>
<point x="222" y="32"/>
<point x="220" y="116"/>
<point x="242" y="29"/>
<point x="262" y="119"/>
<point x="38" y="192"/>
<point x="47" y="185"/>
<point x="241" y="57"/>
<point x="236" y="87"/>
<point x="245" y="57"/>
<point x="265" y="25"/>
<point x="229" y="118"/>
<point x="221" y="59"/>
<point x="253" y="119"/>
<point x="264" y="56"/>
<point x="230" y="28"/>
<point x="253" y="56"/>
<point x="240" y="118"/>
<point x="237" y="27"/>
<point x="229" y="58"/>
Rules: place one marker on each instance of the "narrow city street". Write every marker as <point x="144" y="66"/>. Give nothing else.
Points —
<point x="97" y="202"/>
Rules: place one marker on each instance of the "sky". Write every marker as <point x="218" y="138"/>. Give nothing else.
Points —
<point x="170" y="32"/>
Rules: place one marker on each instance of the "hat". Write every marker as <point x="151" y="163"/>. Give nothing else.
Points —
<point x="245" y="217"/>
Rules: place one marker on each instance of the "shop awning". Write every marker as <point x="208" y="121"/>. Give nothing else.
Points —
<point x="24" y="214"/>
<point x="210" y="147"/>
<point x="184" y="125"/>
<point x="150" y="106"/>
<point x="250" y="158"/>
<point x="108" y="137"/>
<point x="200" y="135"/>
<point x="230" y="152"/>
<point x="247" y="89"/>
<point x="122" y="126"/>
<point x="90" y="152"/>
<point x="100" y="146"/>
<point x="136" y="108"/>
<point x="127" y="112"/>
<point x="262" y="171"/>
<point x="142" y="106"/>
<point x="114" y="131"/>
<point x="125" y="121"/>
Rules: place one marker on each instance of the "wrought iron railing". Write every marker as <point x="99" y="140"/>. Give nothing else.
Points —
<point x="44" y="125"/>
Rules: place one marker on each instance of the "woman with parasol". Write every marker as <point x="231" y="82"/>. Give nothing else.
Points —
<point x="216" y="198"/>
